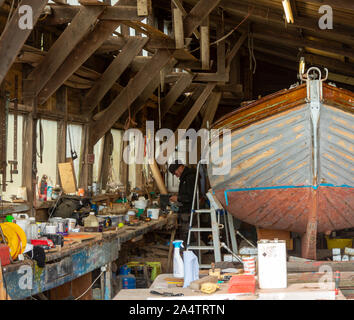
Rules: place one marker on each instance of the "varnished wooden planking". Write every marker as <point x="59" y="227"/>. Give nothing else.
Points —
<point x="270" y="183"/>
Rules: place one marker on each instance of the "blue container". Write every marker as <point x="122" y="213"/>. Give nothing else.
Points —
<point x="127" y="280"/>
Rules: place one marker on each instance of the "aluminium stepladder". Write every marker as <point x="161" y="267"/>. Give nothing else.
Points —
<point x="216" y="211"/>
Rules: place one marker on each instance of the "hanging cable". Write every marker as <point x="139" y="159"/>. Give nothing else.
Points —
<point x="89" y="286"/>
<point x="253" y="62"/>
<point x="228" y="34"/>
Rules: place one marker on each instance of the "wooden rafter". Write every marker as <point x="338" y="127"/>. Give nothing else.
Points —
<point x="340" y="4"/>
<point x="188" y="119"/>
<point x="284" y="63"/>
<point x="288" y="40"/>
<point x="65" y="14"/>
<point x="182" y="83"/>
<point x="197" y="15"/>
<point x="113" y="72"/>
<point x="60" y="50"/>
<point x="339" y="33"/>
<point x="13" y="38"/>
<point x="211" y="107"/>
<point x="77" y="57"/>
<point x="134" y="88"/>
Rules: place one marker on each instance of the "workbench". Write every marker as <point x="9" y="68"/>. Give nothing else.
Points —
<point x="294" y="291"/>
<point x="24" y="279"/>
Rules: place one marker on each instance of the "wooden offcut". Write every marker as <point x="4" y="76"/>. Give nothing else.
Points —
<point x="67" y="177"/>
<point x="196" y="284"/>
<point x="276" y="234"/>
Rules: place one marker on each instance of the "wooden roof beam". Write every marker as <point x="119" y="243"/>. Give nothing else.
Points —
<point x="197" y="15"/>
<point x="339" y="33"/>
<point x="113" y="72"/>
<point x="65" y="14"/>
<point x="281" y="61"/>
<point x="182" y="83"/>
<point x="189" y="118"/>
<point x="60" y="50"/>
<point x="13" y="38"/>
<point x="340" y="4"/>
<point x="128" y="95"/>
<point x="288" y="40"/>
<point x="331" y="64"/>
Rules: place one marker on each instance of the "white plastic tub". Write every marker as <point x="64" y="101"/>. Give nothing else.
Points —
<point x="272" y="269"/>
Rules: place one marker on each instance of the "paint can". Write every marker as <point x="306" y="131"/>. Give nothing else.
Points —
<point x="249" y="265"/>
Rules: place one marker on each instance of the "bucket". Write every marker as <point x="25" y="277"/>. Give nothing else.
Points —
<point x="272" y="269"/>
<point x="153" y="213"/>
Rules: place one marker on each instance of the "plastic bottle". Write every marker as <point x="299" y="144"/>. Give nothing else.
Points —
<point x="126" y="279"/>
<point x="91" y="220"/>
<point x="191" y="268"/>
<point x="178" y="265"/>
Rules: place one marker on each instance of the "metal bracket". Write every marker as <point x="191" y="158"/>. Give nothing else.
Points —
<point x="314" y="100"/>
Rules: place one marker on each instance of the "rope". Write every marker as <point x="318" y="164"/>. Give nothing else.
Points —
<point x="229" y="33"/>
<point x="89" y="286"/>
<point x="251" y="52"/>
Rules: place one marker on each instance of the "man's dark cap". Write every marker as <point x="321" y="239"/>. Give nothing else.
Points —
<point x="174" y="166"/>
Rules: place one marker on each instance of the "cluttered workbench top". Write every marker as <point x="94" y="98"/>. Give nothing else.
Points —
<point x="167" y="287"/>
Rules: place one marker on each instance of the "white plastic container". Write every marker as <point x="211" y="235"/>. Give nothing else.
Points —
<point x="178" y="265"/>
<point x="191" y="268"/>
<point x="272" y="269"/>
<point x="23" y="221"/>
<point x="130" y="215"/>
<point x="71" y="224"/>
<point x="141" y="203"/>
<point x="153" y="213"/>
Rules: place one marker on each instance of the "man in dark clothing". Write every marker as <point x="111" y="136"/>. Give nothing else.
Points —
<point x="185" y="194"/>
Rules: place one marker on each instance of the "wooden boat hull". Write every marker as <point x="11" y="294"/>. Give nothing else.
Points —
<point x="273" y="182"/>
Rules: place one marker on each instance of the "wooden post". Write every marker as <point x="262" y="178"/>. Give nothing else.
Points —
<point x="205" y="44"/>
<point x="178" y="28"/>
<point x="62" y="107"/>
<point x="108" y="282"/>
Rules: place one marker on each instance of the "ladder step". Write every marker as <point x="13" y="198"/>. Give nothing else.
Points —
<point x="200" y="229"/>
<point x="203" y="211"/>
<point x="200" y="248"/>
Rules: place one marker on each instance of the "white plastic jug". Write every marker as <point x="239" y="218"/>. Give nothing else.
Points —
<point x="191" y="268"/>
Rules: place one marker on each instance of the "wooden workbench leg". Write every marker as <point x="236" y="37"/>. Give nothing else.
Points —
<point x="108" y="282"/>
